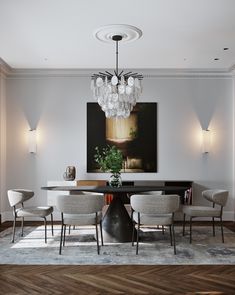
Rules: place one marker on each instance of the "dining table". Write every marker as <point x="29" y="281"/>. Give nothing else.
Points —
<point x="116" y="223"/>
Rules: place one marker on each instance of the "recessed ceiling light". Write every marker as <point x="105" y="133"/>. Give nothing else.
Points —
<point x="226" y="48"/>
<point x="216" y="58"/>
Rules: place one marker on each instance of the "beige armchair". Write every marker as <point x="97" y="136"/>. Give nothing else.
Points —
<point x="154" y="210"/>
<point x="216" y="197"/>
<point x="80" y="210"/>
<point x="16" y="198"/>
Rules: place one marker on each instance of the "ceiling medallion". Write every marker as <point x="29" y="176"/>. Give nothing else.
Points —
<point x="117" y="92"/>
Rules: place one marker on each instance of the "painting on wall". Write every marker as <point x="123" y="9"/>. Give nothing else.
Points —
<point x="135" y="136"/>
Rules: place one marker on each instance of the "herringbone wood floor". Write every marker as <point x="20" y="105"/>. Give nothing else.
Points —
<point x="94" y="280"/>
<point x="104" y="280"/>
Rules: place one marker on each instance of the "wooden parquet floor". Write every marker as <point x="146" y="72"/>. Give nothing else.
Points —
<point x="94" y="280"/>
<point x="117" y="279"/>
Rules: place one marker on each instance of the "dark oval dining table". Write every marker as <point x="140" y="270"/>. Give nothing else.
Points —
<point x="117" y="224"/>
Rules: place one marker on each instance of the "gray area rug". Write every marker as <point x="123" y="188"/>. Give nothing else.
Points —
<point x="80" y="248"/>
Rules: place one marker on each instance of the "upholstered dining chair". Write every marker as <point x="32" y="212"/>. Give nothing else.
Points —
<point x="85" y="193"/>
<point x="16" y="198"/>
<point x="129" y="209"/>
<point x="216" y="197"/>
<point x="80" y="210"/>
<point x="154" y="210"/>
<point x="153" y="193"/>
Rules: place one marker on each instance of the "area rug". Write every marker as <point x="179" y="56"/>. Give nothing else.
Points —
<point x="80" y="248"/>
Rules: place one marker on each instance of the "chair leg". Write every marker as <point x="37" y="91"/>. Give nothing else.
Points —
<point x="173" y="233"/>
<point x="190" y="238"/>
<point x="133" y="227"/>
<point x="133" y="234"/>
<point x="163" y="230"/>
<point x="64" y="235"/>
<point x="52" y="229"/>
<point x="97" y="238"/>
<point x="45" y="225"/>
<point x="101" y="234"/>
<point x="222" y="230"/>
<point x="61" y="237"/>
<point x="184" y="224"/>
<point x="213" y="224"/>
<point x="137" y="236"/>
<point x="13" y="229"/>
<point x="22" y="226"/>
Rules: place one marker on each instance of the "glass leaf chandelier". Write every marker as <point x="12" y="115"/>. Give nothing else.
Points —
<point x="118" y="92"/>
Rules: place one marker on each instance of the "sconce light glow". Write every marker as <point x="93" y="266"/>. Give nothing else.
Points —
<point x="206" y="141"/>
<point x="32" y="141"/>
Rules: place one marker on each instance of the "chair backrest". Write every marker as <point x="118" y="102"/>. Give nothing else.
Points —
<point x="155" y="204"/>
<point x="17" y="196"/>
<point x="79" y="204"/>
<point x="216" y="196"/>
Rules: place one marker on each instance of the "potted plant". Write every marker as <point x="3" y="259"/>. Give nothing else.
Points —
<point x="110" y="159"/>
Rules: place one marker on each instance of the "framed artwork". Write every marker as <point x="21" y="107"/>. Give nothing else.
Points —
<point x="135" y="136"/>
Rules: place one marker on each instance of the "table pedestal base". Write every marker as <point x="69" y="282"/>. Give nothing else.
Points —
<point x="117" y="224"/>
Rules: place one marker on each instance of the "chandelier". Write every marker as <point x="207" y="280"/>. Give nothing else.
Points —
<point x="118" y="92"/>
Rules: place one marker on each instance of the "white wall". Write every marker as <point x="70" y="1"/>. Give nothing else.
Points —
<point x="2" y="138"/>
<point x="233" y="143"/>
<point x="56" y="107"/>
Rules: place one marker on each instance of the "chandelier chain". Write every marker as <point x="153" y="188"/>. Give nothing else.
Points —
<point x="117" y="58"/>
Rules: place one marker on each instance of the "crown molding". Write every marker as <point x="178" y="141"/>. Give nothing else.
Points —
<point x="5" y="69"/>
<point x="147" y="73"/>
<point x="85" y="73"/>
<point x="31" y="73"/>
<point x="232" y="70"/>
<point x="185" y="73"/>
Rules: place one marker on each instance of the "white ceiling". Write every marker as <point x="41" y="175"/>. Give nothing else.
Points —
<point x="177" y="34"/>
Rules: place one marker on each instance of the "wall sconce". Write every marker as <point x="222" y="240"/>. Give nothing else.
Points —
<point x="32" y="144"/>
<point x="206" y="141"/>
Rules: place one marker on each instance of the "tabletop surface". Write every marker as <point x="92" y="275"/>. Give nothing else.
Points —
<point x="109" y="189"/>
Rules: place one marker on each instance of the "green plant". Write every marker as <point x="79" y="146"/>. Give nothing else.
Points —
<point x="109" y="159"/>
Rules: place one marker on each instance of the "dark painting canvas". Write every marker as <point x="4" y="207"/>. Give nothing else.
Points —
<point x="135" y="136"/>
